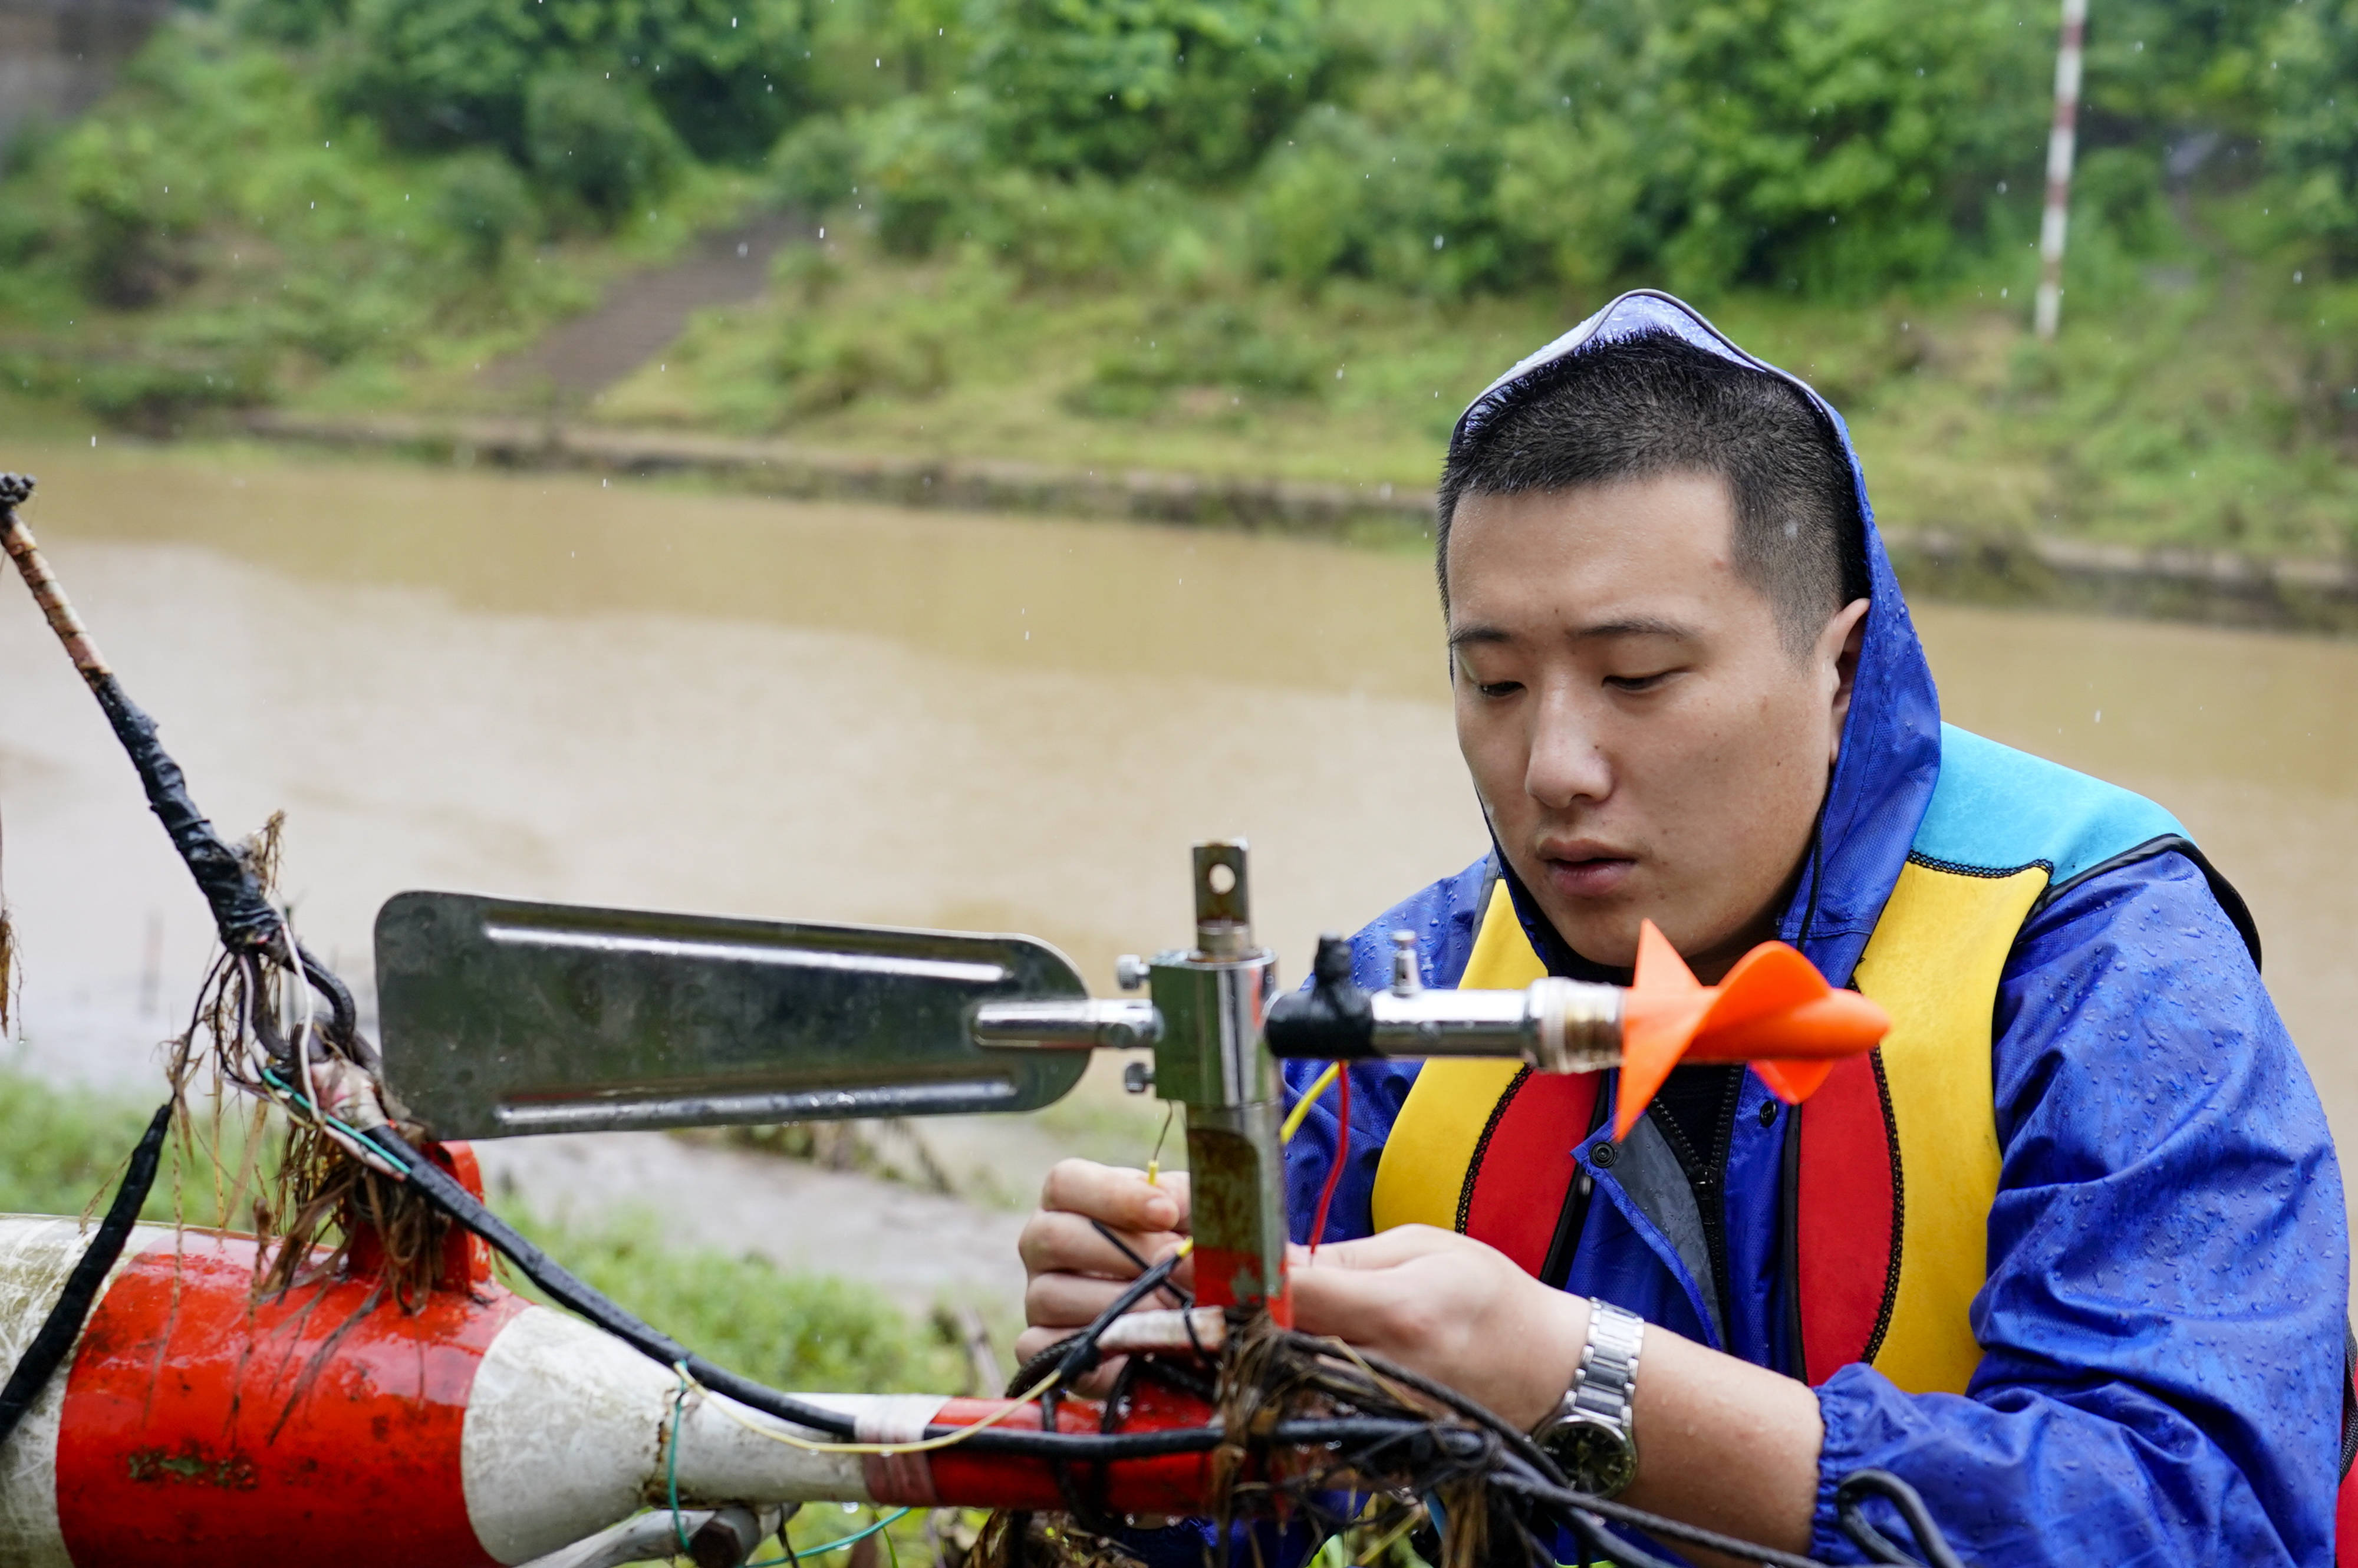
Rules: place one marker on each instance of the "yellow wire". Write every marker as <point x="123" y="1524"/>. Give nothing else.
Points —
<point x="1310" y="1097"/>
<point x="1154" y="1161"/>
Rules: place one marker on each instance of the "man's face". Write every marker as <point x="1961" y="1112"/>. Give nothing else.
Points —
<point x="1643" y="742"/>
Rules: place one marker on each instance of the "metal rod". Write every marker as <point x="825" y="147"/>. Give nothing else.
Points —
<point x="2061" y="142"/>
<point x="1078" y="1025"/>
<point x="1556" y="1025"/>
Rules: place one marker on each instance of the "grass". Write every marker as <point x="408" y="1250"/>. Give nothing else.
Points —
<point x="2191" y="400"/>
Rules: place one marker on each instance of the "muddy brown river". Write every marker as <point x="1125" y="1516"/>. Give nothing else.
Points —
<point x="551" y="689"/>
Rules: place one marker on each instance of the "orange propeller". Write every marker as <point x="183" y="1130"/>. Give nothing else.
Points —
<point x="1774" y="1010"/>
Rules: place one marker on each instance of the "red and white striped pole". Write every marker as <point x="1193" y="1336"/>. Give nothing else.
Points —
<point x="2061" y="141"/>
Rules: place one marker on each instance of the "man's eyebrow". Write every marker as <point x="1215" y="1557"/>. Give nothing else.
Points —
<point x="1636" y="626"/>
<point x="1627" y="626"/>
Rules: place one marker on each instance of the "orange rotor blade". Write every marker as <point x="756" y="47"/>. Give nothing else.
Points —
<point x="1831" y="1024"/>
<point x="1769" y="980"/>
<point x="1791" y="1081"/>
<point x="1660" y="968"/>
<point x="1659" y="1014"/>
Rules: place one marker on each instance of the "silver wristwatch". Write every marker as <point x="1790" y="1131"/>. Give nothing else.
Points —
<point x="1589" y="1433"/>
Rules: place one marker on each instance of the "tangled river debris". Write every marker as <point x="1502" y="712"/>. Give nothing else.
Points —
<point x="1297" y="1427"/>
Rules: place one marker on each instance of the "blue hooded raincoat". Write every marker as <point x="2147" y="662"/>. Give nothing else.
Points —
<point x="2164" y="1318"/>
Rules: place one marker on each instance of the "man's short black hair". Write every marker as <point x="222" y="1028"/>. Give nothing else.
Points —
<point x="1652" y="404"/>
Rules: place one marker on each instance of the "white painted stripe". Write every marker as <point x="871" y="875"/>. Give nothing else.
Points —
<point x="564" y="1426"/>
<point x="36" y="1253"/>
<point x="566" y="1433"/>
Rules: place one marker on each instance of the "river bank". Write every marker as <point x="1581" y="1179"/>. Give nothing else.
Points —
<point x="2182" y="582"/>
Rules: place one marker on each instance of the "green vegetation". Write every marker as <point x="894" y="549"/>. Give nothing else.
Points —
<point x="1246" y="235"/>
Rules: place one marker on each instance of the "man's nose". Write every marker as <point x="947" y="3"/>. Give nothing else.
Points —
<point x="1568" y="765"/>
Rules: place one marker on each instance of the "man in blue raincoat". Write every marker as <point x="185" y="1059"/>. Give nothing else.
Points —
<point x="2067" y="1254"/>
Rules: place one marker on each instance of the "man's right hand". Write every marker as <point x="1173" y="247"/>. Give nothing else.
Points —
<point x="1072" y="1272"/>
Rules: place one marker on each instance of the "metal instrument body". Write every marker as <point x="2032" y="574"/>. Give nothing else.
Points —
<point x="503" y="1018"/>
<point x="1203" y="1017"/>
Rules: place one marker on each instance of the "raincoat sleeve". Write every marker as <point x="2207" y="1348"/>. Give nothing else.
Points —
<point x="2163" y="1322"/>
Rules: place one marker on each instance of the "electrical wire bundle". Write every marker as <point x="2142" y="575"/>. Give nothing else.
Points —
<point x="1301" y="1428"/>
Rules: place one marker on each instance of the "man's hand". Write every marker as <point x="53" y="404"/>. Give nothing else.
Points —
<point x="1720" y="1443"/>
<point x="1072" y="1271"/>
<point x="1451" y="1308"/>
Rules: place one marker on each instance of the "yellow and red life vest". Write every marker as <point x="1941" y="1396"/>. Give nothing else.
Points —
<point x="1898" y="1158"/>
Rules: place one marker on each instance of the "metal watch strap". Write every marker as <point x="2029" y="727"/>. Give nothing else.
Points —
<point x="1605" y="1385"/>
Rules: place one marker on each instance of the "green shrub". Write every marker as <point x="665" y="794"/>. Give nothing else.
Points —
<point x="815" y="165"/>
<point x="1195" y="88"/>
<point x="1214" y="345"/>
<point x="2120" y="189"/>
<point x="1057" y="229"/>
<point x="128" y="224"/>
<point x="825" y="365"/>
<point x="919" y="161"/>
<point x="728" y="75"/>
<point x="597" y="142"/>
<point x="485" y="203"/>
<point x="2314" y="137"/>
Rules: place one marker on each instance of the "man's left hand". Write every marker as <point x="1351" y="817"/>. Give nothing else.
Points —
<point x="1450" y="1307"/>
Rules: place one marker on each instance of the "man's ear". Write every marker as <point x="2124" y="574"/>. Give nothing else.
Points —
<point x="1839" y="643"/>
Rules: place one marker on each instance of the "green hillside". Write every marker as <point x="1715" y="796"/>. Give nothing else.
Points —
<point x="1242" y="236"/>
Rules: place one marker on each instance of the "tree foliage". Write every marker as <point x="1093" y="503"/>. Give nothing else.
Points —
<point x="1831" y="148"/>
<point x="1196" y="88"/>
<point x="727" y="74"/>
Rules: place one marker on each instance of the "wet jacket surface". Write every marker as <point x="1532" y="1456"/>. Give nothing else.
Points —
<point x="2163" y="1318"/>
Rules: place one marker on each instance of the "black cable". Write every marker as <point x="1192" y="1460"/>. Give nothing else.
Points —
<point x="1180" y="1293"/>
<point x="1530" y="1453"/>
<point x="1568" y="1501"/>
<point x="1081" y="1350"/>
<point x="1851" y="1496"/>
<point x="64" y="1326"/>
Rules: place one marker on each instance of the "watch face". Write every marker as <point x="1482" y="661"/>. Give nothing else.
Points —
<point x="1599" y="1458"/>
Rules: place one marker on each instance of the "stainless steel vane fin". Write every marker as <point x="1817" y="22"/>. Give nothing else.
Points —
<point x="501" y="1018"/>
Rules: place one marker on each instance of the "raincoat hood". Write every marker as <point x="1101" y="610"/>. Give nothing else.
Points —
<point x="1890" y="754"/>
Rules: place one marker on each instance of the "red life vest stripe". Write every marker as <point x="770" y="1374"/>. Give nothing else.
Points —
<point x="1522" y="1168"/>
<point x="1847" y="1218"/>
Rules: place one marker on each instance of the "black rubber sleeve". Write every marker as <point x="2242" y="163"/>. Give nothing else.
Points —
<point x="60" y="1331"/>
<point x="241" y="914"/>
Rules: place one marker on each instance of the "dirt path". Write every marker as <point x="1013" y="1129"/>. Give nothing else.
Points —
<point x="642" y="315"/>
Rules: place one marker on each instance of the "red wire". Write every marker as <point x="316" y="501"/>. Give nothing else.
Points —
<point x="1342" y="1153"/>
